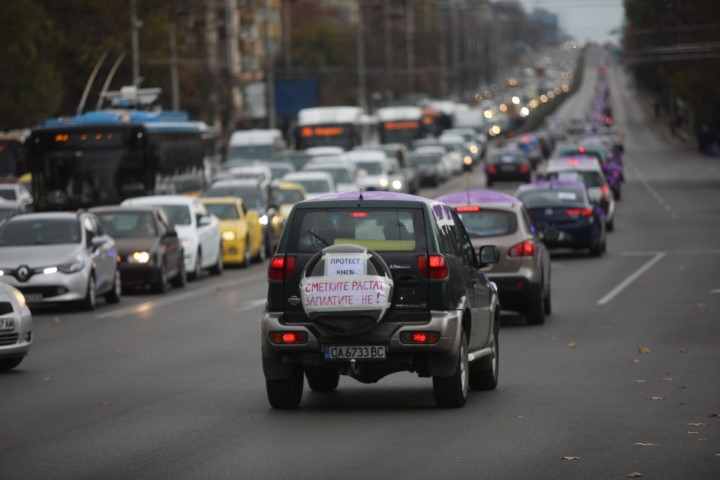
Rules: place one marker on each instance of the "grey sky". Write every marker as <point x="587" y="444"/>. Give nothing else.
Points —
<point x="585" y="19"/>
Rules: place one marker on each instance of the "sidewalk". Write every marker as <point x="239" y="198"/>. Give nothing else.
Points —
<point x="681" y="138"/>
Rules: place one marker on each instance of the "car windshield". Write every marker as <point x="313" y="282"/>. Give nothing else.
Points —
<point x="128" y="224"/>
<point x="507" y="157"/>
<point x="287" y="195"/>
<point x="224" y="211"/>
<point x="417" y="159"/>
<point x="250" y="152"/>
<point x="372" y="168"/>
<point x="178" y="214"/>
<point x="590" y="178"/>
<point x="555" y="196"/>
<point x="378" y="229"/>
<point x="250" y="194"/>
<point x="313" y="186"/>
<point x="8" y="194"/>
<point x="40" y="232"/>
<point x="339" y="174"/>
<point x="489" y="223"/>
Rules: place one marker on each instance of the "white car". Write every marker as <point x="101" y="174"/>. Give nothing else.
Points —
<point x="344" y="173"/>
<point x="198" y="230"/>
<point x="315" y="184"/>
<point x="16" y="327"/>
<point x="16" y="193"/>
<point x="380" y="173"/>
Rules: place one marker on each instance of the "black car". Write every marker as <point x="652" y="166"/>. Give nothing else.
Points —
<point x="370" y="284"/>
<point x="507" y="165"/>
<point x="149" y="250"/>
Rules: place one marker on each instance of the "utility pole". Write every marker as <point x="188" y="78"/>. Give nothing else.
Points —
<point x="388" y="50"/>
<point x="270" y="79"/>
<point x="233" y="62"/>
<point x="362" y="81"/>
<point x="410" y="41"/>
<point x="135" y="25"/>
<point x="287" y="36"/>
<point x="174" y="77"/>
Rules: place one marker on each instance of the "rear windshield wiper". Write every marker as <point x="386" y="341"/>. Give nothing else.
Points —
<point x="318" y="237"/>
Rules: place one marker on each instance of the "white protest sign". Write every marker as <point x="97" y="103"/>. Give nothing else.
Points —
<point x="334" y="293"/>
<point x="345" y="263"/>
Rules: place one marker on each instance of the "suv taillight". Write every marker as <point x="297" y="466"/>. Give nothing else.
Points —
<point x="579" y="212"/>
<point x="432" y="266"/>
<point x="605" y="191"/>
<point x="281" y="266"/>
<point x="524" y="249"/>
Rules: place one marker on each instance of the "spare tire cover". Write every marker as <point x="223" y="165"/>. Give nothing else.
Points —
<point x="348" y="280"/>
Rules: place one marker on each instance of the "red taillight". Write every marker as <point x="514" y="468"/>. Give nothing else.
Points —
<point x="420" y="337"/>
<point x="615" y="174"/>
<point x="492" y="169"/>
<point x="358" y="214"/>
<point x="524" y="169"/>
<point x="579" y="212"/>
<point x="433" y="266"/>
<point x="281" y="266"/>
<point x="574" y="161"/>
<point x="581" y="149"/>
<point x="467" y="208"/>
<point x="524" y="249"/>
<point x="288" y="338"/>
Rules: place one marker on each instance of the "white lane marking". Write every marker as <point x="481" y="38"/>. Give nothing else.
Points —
<point x="146" y="306"/>
<point x="658" y="198"/>
<point x="647" y="253"/>
<point x="625" y="283"/>
<point x="249" y="305"/>
<point x="717" y="290"/>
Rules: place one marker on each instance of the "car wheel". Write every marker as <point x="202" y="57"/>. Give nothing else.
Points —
<point x="286" y="393"/>
<point x="610" y="226"/>
<point x="616" y="194"/>
<point x="181" y="279"/>
<point x="597" y="250"/>
<point x="90" y="300"/>
<point x="161" y="285"/>
<point x="488" y="183"/>
<point x="10" y="363"/>
<point x="246" y="256"/>
<point x="485" y="371"/>
<point x="197" y="271"/>
<point x="115" y="293"/>
<point x="452" y="392"/>
<point x="535" y="311"/>
<point x="219" y="266"/>
<point x="547" y="303"/>
<point x="322" y="380"/>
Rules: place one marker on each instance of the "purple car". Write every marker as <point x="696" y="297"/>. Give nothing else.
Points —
<point x="565" y="213"/>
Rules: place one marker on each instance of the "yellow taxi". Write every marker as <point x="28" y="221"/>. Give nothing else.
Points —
<point x="242" y="233"/>
<point x="287" y="194"/>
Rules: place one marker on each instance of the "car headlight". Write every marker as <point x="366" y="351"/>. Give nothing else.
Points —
<point x="467" y="160"/>
<point x="72" y="267"/>
<point x="20" y="298"/>
<point x="187" y="244"/>
<point x="473" y="149"/>
<point x="397" y="184"/>
<point x="228" y="235"/>
<point x="139" y="257"/>
<point x="384" y="182"/>
<point x="263" y="220"/>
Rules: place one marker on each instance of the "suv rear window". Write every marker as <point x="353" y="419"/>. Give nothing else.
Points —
<point x="386" y="229"/>
<point x="555" y="196"/>
<point x="489" y="223"/>
<point x="590" y="178"/>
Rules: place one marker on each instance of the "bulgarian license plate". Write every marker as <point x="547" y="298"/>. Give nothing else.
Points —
<point x="355" y="352"/>
<point x="33" y="297"/>
<point x="7" y="324"/>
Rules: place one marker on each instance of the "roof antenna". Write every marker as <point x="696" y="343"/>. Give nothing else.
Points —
<point x="361" y="197"/>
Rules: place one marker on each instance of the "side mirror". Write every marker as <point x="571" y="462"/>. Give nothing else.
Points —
<point x="98" y="241"/>
<point x="488" y="254"/>
<point x="204" y="220"/>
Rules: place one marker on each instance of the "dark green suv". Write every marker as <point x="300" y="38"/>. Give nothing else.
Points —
<point x="370" y="284"/>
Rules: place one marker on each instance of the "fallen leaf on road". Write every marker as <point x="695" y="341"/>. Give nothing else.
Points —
<point x="682" y="386"/>
<point x="646" y="444"/>
<point x="679" y="350"/>
<point x="714" y="415"/>
<point x="645" y="350"/>
<point x="105" y="404"/>
<point x="703" y="439"/>
<point x="639" y="380"/>
<point x="692" y="433"/>
<point x="57" y="320"/>
<point x="572" y="345"/>
<point x="634" y="475"/>
<point x="635" y="360"/>
<point x="695" y="424"/>
<point x="667" y="379"/>
<point x="656" y="397"/>
<point x="570" y="458"/>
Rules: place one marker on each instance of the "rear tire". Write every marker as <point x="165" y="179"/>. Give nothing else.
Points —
<point x="10" y="363"/>
<point x="484" y="372"/>
<point x="287" y="393"/>
<point x="322" y="380"/>
<point x="219" y="266"/>
<point x="90" y="300"/>
<point x="535" y="311"/>
<point x="547" y="303"/>
<point x="115" y="293"/>
<point x="610" y="226"/>
<point x="452" y="392"/>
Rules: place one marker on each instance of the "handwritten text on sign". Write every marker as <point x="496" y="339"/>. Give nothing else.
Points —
<point x="329" y="293"/>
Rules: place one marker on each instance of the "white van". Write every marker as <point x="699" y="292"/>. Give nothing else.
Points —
<point x="248" y="146"/>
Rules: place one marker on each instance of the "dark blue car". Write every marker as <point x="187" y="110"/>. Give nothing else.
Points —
<point x="562" y="209"/>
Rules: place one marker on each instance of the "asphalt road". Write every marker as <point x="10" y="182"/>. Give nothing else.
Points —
<point x="622" y="378"/>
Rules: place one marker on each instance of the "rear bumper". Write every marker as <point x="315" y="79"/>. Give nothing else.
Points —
<point x="440" y="358"/>
<point x="515" y="291"/>
<point x="134" y="275"/>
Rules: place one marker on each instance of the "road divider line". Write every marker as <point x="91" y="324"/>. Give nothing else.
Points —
<point x="152" y="304"/>
<point x="249" y="305"/>
<point x="717" y="290"/>
<point x="629" y="280"/>
<point x="658" y="198"/>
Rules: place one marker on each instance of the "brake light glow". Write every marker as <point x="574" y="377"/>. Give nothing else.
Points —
<point x="433" y="267"/>
<point x="523" y="249"/>
<point x="281" y="266"/>
<point x="420" y="338"/>
<point x="358" y="214"/>
<point x="574" y="161"/>
<point x="492" y="169"/>
<point x="579" y="212"/>
<point x="467" y="208"/>
<point x="581" y="149"/>
<point x="288" y="338"/>
<point x="605" y="191"/>
<point x="524" y="169"/>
